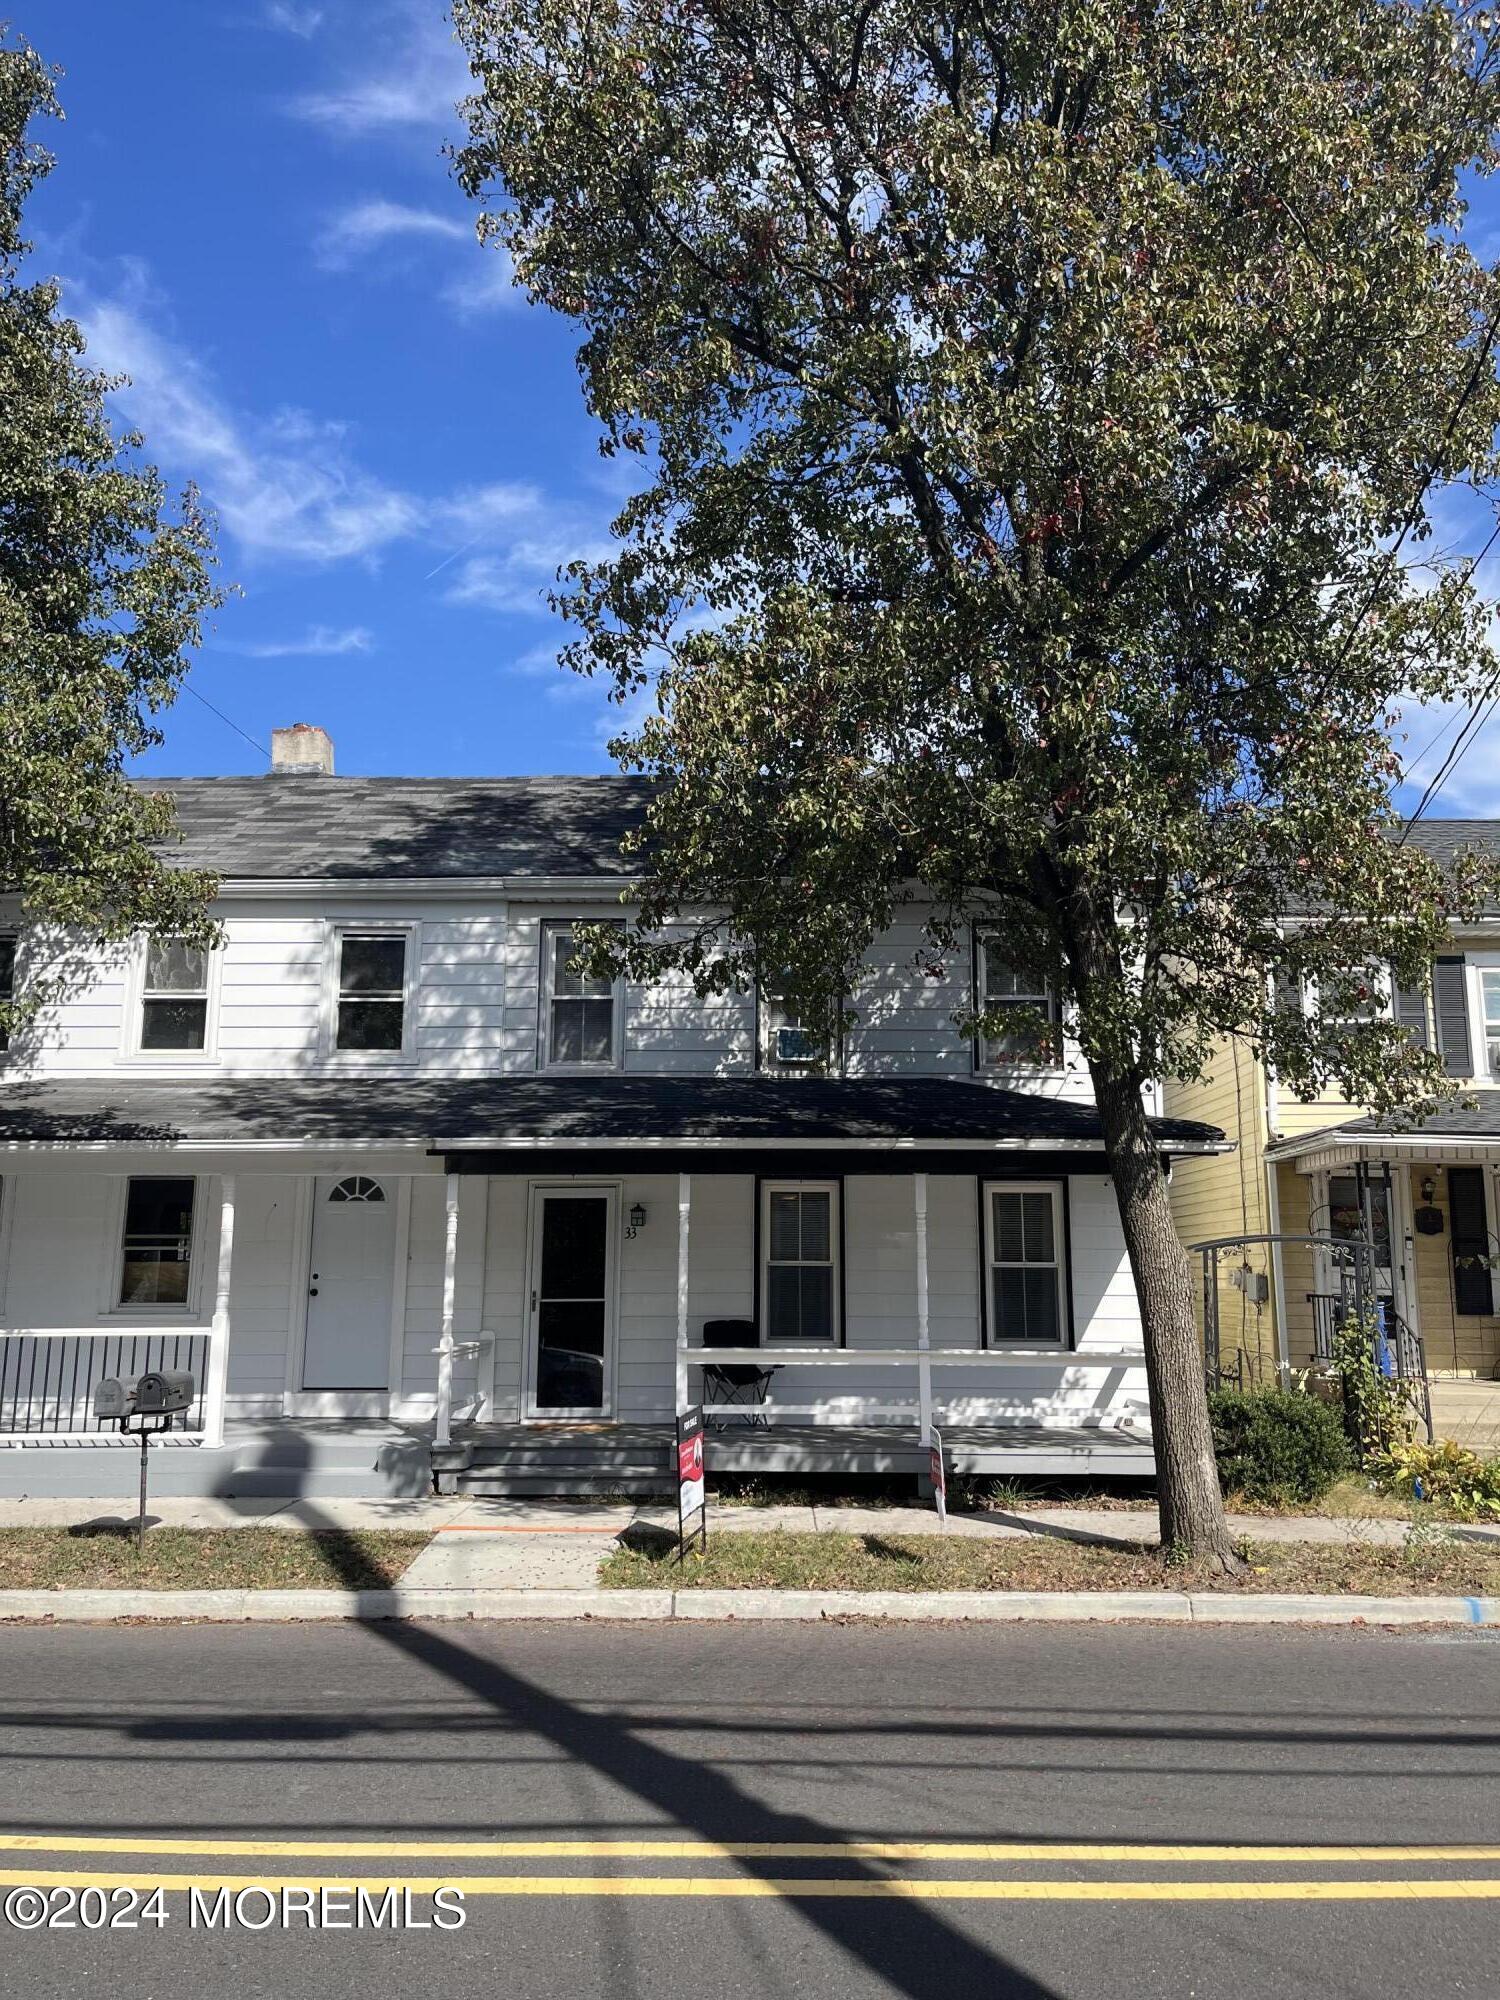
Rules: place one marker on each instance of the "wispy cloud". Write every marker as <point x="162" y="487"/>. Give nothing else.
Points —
<point x="318" y="642"/>
<point x="487" y="285"/>
<point x="366" y="225"/>
<point x="289" y="19"/>
<point x="285" y="485"/>
<point x="416" y="79"/>
<point x="483" y="279"/>
<point x="291" y="485"/>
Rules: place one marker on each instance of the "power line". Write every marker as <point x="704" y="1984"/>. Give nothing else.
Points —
<point x="1478" y="715"/>
<point x="227" y="720"/>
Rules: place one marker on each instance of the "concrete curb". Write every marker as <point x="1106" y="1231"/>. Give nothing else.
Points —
<point x="699" y="1606"/>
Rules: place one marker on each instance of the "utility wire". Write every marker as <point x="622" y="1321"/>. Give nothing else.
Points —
<point x="1483" y="707"/>
<point x="227" y="720"/>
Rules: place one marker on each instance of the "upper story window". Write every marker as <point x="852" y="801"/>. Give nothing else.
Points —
<point x="580" y="1014"/>
<point x="1436" y="1016"/>
<point x="1489" y="995"/>
<point x="1000" y="986"/>
<point x="786" y="1041"/>
<point x="174" y="996"/>
<point x="371" y="1001"/>
<point x="7" y="979"/>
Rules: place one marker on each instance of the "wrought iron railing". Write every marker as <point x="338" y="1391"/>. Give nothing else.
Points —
<point x="1407" y="1358"/>
<point x="47" y="1379"/>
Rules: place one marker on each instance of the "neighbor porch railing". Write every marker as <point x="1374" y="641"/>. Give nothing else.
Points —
<point x="1405" y="1358"/>
<point x="48" y="1377"/>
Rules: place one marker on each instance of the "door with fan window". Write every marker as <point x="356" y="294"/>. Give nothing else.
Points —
<point x="350" y="1281"/>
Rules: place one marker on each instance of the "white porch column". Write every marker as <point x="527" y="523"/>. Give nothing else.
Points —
<point x="444" y="1431"/>
<point x="924" y="1366"/>
<point x="684" y="1219"/>
<point x="218" y="1340"/>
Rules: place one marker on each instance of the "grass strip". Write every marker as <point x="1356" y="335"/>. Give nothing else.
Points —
<point x="103" y="1556"/>
<point x="782" y="1559"/>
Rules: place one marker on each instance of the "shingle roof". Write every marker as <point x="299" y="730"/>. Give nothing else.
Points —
<point x="1445" y="839"/>
<point x="304" y="825"/>
<point x="1479" y="1119"/>
<point x="500" y="1109"/>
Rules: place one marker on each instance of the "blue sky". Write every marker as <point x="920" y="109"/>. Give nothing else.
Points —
<point x="253" y="219"/>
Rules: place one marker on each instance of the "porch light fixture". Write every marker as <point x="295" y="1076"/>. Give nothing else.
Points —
<point x="637" y="1216"/>
<point x="1429" y="1190"/>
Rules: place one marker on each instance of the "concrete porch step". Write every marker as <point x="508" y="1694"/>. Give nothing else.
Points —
<point x="497" y="1483"/>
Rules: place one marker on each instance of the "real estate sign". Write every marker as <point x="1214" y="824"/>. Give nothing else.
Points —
<point x="936" y="1473"/>
<point x="692" y="1509"/>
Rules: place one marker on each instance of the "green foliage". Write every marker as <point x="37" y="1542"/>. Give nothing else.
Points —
<point x="1277" y="1446"/>
<point x="1376" y="1413"/>
<point x="1035" y="409"/>
<point x="101" y="594"/>
<point x="1450" y="1476"/>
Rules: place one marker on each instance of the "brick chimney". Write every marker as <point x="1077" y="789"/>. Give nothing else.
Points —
<point x="302" y="748"/>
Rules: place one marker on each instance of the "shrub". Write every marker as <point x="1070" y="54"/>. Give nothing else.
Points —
<point x="1277" y="1446"/>
<point x="1377" y="1417"/>
<point x="1449" y="1475"/>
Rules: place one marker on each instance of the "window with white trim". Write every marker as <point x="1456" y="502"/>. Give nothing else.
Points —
<point x="371" y="1002"/>
<point x="799" y="1233"/>
<point x="787" y="1042"/>
<point x="1489" y="995"/>
<point x="174" y="996"/>
<point x="8" y="942"/>
<point x="1023" y="1237"/>
<point x="580" y="1013"/>
<point x="999" y="987"/>
<point x="156" y="1248"/>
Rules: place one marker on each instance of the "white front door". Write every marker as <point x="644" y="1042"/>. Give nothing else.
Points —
<point x="571" y="1285"/>
<point x="350" y="1278"/>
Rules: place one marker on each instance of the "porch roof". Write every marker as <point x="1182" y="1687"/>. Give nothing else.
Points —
<point x="546" y="1113"/>
<point x="1474" y="1119"/>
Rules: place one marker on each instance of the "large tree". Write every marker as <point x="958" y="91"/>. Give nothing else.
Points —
<point x="101" y="594"/>
<point x="1037" y="406"/>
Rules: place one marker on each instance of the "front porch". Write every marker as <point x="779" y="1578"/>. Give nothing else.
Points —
<point x="410" y="1297"/>
<point x="1427" y="1199"/>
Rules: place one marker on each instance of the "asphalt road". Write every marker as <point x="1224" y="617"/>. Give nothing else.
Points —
<point x="1102" y="1771"/>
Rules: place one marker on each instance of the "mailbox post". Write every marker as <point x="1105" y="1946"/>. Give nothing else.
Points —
<point x="143" y="1405"/>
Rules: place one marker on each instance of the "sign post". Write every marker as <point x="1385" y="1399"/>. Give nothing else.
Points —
<point x="936" y="1473"/>
<point x="692" y="1508"/>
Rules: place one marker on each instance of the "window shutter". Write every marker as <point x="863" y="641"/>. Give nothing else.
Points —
<point x="1450" y="1002"/>
<point x="1411" y="1012"/>
<point x="1469" y="1228"/>
<point x="1286" y="992"/>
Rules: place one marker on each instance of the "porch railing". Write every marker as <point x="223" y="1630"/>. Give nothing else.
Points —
<point x="47" y="1377"/>
<point x="1407" y="1358"/>
<point x="921" y="1361"/>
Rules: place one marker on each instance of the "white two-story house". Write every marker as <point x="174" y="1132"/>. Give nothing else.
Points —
<point x="404" y="1193"/>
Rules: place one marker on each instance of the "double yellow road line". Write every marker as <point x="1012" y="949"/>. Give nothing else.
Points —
<point x="852" y="1853"/>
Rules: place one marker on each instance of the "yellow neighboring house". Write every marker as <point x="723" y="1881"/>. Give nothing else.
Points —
<point x="1432" y="1191"/>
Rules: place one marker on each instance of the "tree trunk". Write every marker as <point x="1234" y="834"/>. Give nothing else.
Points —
<point x="1192" y="1508"/>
